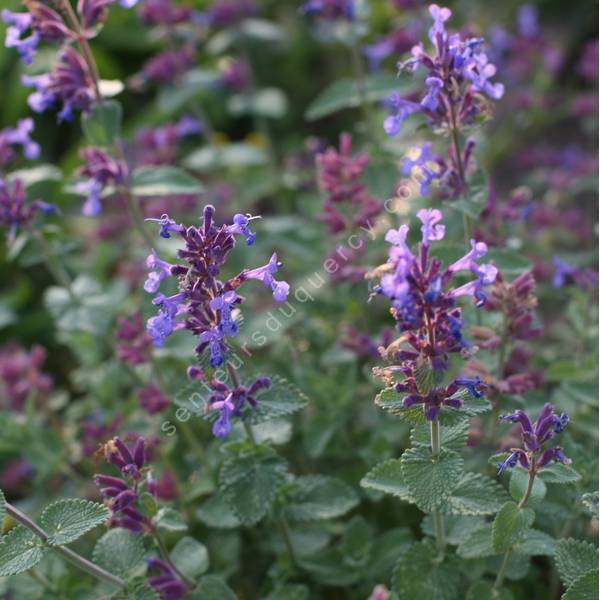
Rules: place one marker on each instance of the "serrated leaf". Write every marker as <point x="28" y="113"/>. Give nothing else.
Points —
<point x="590" y="501"/>
<point x="2" y="508"/>
<point x="170" y="520"/>
<point x="212" y="587"/>
<point x="119" y="551"/>
<point x="344" y="93"/>
<point x="453" y="437"/>
<point x="475" y="494"/>
<point x="430" y="478"/>
<point x="215" y="512"/>
<point x="250" y="481"/>
<point x="280" y="400"/>
<point x="136" y="590"/>
<point x="391" y="402"/>
<point x="584" y="587"/>
<point x="267" y="102"/>
<point x="559" y="473"/>
<point x="476" y="199"/>
<point x="387" y="477"/>
<point x="419" y="574"/>
<point x="478" y="544"/>
<point x="190" y="557"/>
<point x="20" y="550"/>
<point x="67" y="520"/>
<point x="483" y="590"/>
<point x="519" y="480"/>
<point x="234" y="155"/>
<point x="357" y="542"/>
<point x="316" y="497"/>
<point x="456" y="528"/>
<point x="102" y="124"/>
<point x="536" y="543"/>
<point x="574" y="558"/>
<point x="164" y="180"/>
<point x="510" y="524"/>
<point x="290" y="592"/>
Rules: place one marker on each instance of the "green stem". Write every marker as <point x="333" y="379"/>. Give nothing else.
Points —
<point x="54" y="265"/>
<point x="438" y="519"/>
<point x="167" y="558"/>
<point x="82" y="563"/>
<point x="522" y="503"/>
<point x="138" y="218"/>
<point x="287" y="540"/>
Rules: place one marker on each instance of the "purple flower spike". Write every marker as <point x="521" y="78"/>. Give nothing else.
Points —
<point x="535" y="435"/>
<point x="511" y="461"/>
<point x="167" y="584"/>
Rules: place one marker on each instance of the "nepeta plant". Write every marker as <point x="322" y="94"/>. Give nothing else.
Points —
<point x="154" y="378"/>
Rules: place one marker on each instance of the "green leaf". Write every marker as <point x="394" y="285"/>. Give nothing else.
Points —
<point x="215" y="512"/>
<point x="387" y="477"/>
<point x="164" y="181"/>
<point x="478" y="544"/>
<point x="510" y="524"/>
<point x="430" y="478"/>
<point x="119" y="551"/>
<point x="536" y="543"/>
<point x="190" y="557"/>
<point x="190" y="84"/>
<point x="316" y="497"/>
<point x="453" y="437"/>
<point x="390" y="401"/>
<point x="262" y="30"/>
<point x="32" y="175"/>
<point x="67" y="520"/>
<point x="344" y="93"/>
<point x="510" y="262"/>
<point x="235" y="155"/>
<point x="584" y="587"/>
<point x="475" y="494"/>
<point x="212" y="587"/>
<point x="20" y="550"/>
<point x="559" y="473"/>
<point x="280" y="400"/>
<point x="102" y="125"/>
<point x="2" y="508"/>
<point x="268" y="102"/>
<point x="483" y="590"/>
<point x="590" y="501"/>
<point x="477" y="197"/>
<point x="170" y="520"/>
<point x="456" y="528"/>
<point x="419" y="574"/>
<point x="136" y="590"/>
<point x="519" y="480"/>
<point x="250" y="481"/>
<point x="294" y="591"/>
<point x="574" y="558"/>
<point x="357" y="542"/>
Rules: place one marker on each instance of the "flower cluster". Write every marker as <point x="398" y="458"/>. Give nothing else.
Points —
<point x="121" y="494"/>
<point x="14" y="211"/>
<point x="204" y="303"/>
<point x="227" y="13"/>
<point x="339" y="176"/>
<point x="230" y="401"/>
<point x="72" y="82"/>
<point x="535" y="435"/>
<point x="426" y="314"/>
<point x="21" y="376"/>
<point x="458" y="75"/>
<point x="166" y="583"/>
<point x="18" y="136"/>
<point x="100" y="171"/>
<point x="159" y="145"/>
<point x="330" y="10"/>
<point x="133" y="341"/>
<point x="564" y="273"/>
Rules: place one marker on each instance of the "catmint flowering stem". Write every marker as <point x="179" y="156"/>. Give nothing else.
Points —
<point x="235" y="381"/>
<point x="86" y="51"/>
<point x="522" y="503"/>
<point x="79" y="561"/>
<point x="438" y="519"/>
